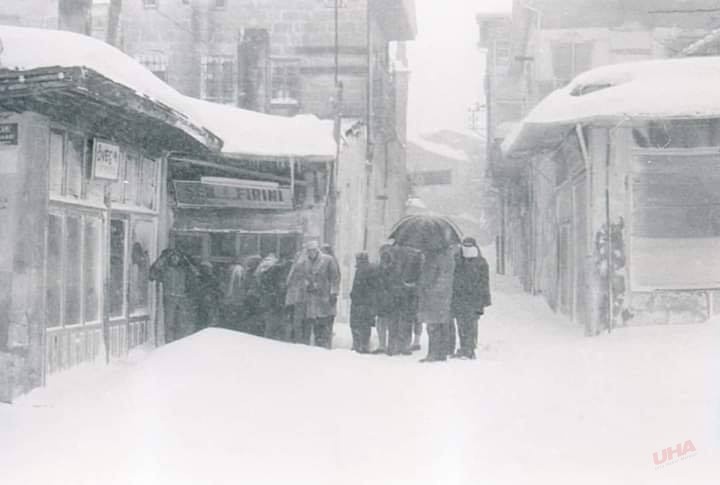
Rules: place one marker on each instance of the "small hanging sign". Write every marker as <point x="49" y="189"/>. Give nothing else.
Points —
<point x="106" y="160"/>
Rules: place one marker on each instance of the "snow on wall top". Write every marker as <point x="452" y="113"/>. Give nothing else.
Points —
<point x="242" y="131"/>
<point x="656" y="89"/>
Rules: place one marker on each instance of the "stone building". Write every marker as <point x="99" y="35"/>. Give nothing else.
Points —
<point x="282" y="57"/>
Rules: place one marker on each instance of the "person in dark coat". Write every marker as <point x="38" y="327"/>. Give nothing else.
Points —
<point x="363" y="297"/>
<point x="233" y="298"/>
<point x="208" y="295"/>
<point x="387" y="300"/>
<point x="251" y="313"/>
<point x="176" y="273"/>
<point x="471" y="294"/>
<point x="271" y="275"/>
<point x="410" y="270"/>
<point x="394" y="301"/>
<point x="295" y="301"/>
<point x="435" y="294"/>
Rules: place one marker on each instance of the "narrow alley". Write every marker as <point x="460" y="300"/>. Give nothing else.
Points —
<point x="542" y="403"/>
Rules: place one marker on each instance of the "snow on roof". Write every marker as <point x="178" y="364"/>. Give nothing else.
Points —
<point x="248" y="133"/>
<point x="243" y="132"/>
<point x="438" y="148"/>
<point x="657" y="89"/>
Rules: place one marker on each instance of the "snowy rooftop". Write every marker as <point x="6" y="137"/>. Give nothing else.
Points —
<point x="251" y="133"/>
<point x="243" y="132"/>
<point x="438" y="149"/>
<point x="657" y="89"/>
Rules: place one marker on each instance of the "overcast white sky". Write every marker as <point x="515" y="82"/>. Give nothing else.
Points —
<point x="446" y="64"/>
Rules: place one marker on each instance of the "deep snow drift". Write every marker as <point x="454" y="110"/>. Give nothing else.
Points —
<point x="543" y="404"/>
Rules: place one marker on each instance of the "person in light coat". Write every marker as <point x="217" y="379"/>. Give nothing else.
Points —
<point x="435" y="295"/>
<point x="318" y="278"/>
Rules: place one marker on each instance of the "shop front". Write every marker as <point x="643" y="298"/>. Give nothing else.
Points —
<point x="226" y="210"/>
<point x="81" y="165"/>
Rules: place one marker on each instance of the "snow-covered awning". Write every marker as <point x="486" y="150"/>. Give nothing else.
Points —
<point x="648" y="90"/>
<point x="248" y="134"/>
<point x="243" y="133"/>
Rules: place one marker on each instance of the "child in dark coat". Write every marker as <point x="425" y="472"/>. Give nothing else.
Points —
<point x="363" y="304"/>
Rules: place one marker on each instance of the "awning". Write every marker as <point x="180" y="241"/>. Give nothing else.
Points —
<point x="622" y="93"/>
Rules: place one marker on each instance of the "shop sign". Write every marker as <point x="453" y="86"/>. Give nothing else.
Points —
<point x="8" y="134"/>
<point x="106" y="160"/>
<point x="198" y="194"/>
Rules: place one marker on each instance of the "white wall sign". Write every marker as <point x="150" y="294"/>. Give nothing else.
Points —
<point x="106" y="160"/>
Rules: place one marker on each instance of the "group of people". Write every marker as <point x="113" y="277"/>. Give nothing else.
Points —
<point x="447" y="290"/>
<point x="278" y="298"/>
<point x="295" y="300"/>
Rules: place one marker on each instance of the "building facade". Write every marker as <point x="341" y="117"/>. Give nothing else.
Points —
<point x="82" y="161"/>
<point x="552" y="211"/>
<point x="291" y="57"/>
<point x="283" y="57"/>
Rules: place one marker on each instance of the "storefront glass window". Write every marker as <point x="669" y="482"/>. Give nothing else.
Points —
<point x="675" y="226"/>
<point x="149" y="183"/>
<point x="57" y="162"/>
<point x="92" y="268"/>
<point x="132" y="177"/>
<point x="73" y="270"/>
<point x="248" y="244"/>
<point x="74" y="165"/>
<point x="117" y="189"/>
<point x="222" y="244"/>
<point x="268" y="244"/>
<point x="53" y="281"/>
<point x="117" y="267"/>
<point x="190" y="244"/>
<point x="143" y="237"/>
<point x="288" y="245"/>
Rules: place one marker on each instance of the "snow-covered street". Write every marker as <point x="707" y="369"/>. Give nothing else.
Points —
<point x="542" y="404"/>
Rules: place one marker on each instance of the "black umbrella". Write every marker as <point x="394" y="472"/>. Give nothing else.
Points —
<point x="425" y="232"/>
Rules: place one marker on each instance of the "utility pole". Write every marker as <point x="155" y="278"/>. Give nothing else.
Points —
<point x="332" y="192"/>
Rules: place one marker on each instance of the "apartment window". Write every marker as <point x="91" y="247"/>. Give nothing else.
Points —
<point x="570" y="59"/>
<point x="285" y="80"/>
<point x="220" y="3"/>
<point x="218" y="79"/>
<point x="150" y="3"/>
<point x="157" y="63"/>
